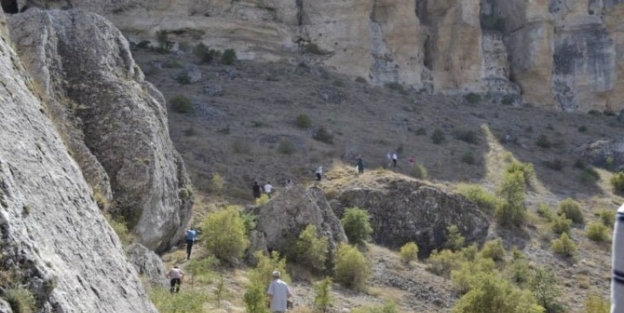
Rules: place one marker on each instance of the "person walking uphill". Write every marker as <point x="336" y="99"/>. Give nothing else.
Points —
<point x="268" y="188"/>
<point x="176" y="275"/>
<point x="256" y="190"/>
<point x="360" y="165"/>
<point x="278" y="294"/>
<point x="319" y="173"/>
<point x="191" y="235"/>
<point x="394" y="159"/>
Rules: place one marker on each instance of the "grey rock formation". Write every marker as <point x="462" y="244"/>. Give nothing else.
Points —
<point x="604" y="153"/>
<point x="5" y="307"/>
<point x="55" y="241"/>
<point x="409" y="210"/>
<point x="113" y="121"/>
<point x="281" y="220"/>
<point x="147" y="263"/>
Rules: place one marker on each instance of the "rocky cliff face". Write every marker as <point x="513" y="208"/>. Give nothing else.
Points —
<point x="563" y="54"/>
<point x="113" y="121"/>
<point x="54" y="240"/>
<point x="407" y="210"/>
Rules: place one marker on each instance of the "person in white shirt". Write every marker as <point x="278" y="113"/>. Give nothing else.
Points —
<point x="176" y="275"/>
<point x="278" y="294"/>
<point x="268" y="188"/>
<point x="319" y="173"/>
<point x="394" y="159"/>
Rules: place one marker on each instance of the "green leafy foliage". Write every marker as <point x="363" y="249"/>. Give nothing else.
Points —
<point x="597" y="304"/>
<point x="607" y="217"/>
<point x="323" y="135"/>
<point x="352" y="269"/>
<point x="494" y="250"/>
<point x="229" y="57"/>
<point x="564" y="246"/>
<point x="419" y="171"/>
<point x="527" y="170"/>
<point x="486" y="201"/>
<point x="322" y="294"/>
<point x="189" y="301"/>
<point x="596" y="231"/>
<point x="572" y="210"/>
<point x="543" y="285"/>
<point x="21" y="300"/>
<point x="511" y="190"/>
<point x="438" y="136"/>
<point x="225" y="234"/>
<point x="617" y="181"/>
<point x="409" y="252"/>
<point x="311" y="250"/>
<point x="303" y="121"/>
<point x="560" y="224"/>
<point x="454" y="239"/>
<point x="181" y="104"/>
<point x="443" y="262"/>
<point x="356" y="224"/>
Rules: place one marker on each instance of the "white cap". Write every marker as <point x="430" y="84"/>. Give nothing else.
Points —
<point x="276" y="274"/>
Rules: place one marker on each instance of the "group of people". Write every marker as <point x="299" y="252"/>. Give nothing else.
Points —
<point x="257" y="191"/>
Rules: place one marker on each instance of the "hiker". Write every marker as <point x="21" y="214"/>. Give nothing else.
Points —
<point x="278" y="294"/>
<point x="394" y="159"/>
<point x="617" y="279"/>
<point x="191" y="235"/>
<point x="268" y="188"/>
<point x="360" y="165"/>
<point x="319" y="173"/>
<point x="176" y="275"/>
<point x="256" y="190"/>
<point x="411" y="161"/>
<point x="389" y="157"/>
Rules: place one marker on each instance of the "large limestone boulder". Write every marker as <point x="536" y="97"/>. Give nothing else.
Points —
<point x="55" y="241"/>
<point x="280" y="221"/>
<point x="404" y="210"/>
<point x="114" y="122"/>
<point x="147" y="263"/>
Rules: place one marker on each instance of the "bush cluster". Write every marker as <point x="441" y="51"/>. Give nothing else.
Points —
<point x="564" y="246"/>
<point x="607" y="217"/>
<point x="454" y="240"/>
<point x="526" y="169"/>
<point x="356" y="224"/>
<point x="494" y="250"/>
<point x="323" y="135"/>
<point x="617" y="181"/>
<point x="512" y="211"/>
<point x="419" y="171"/>
<point x="486" y="201"/>
<point x="596" y="231"/>
<point x="409" y="252"/>
<point x="225" y="234"/>
<point x="438" y="136"/>
<point x="311" y="250"/>
<point x="303" y="121"/>
<point x="560" y="224"/>
<point x="572" y="210"/>
<point x="229" y="57"/>
<point x="181" y="104"/>
<point x="352" y="269"/>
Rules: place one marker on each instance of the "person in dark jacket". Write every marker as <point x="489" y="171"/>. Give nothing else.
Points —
<point x="256" y="190"/>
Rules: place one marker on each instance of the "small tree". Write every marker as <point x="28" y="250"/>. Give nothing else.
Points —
<point x="311" y="250"/>
<point x="352" y="268"/>
<point x="454" y="240"/>
<point x="322" y="296"/>
<point x="512" y="211"/>
<point x="229" y="57"/>
<point x="409" y="252"/>
<point x="254" y="298"/>
<point x="164" y="45"/>
<point x="225" y="233"/>
<point x="356" y="224"/>
<point x="543" y="284"/>
<point x="303" y="121"/>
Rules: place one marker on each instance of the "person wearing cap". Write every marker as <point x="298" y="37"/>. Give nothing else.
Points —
<point x="278" y="294"/>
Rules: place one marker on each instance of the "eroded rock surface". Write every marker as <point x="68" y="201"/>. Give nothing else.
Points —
<point x="55" y="241"/>
<point x="147" y="263"/>
<point x="407" y="210"/>
<point x="114" y="122"/>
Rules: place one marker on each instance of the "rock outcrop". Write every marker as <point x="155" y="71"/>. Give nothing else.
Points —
<point x="607" y="154"/>
<point x="147" y="263"/>
<point x="113" y="121"/>
<point x="280" y="221"/>
<point x="408" y="210"/>
<point x="55" y="241"/>
<point x="563" y="54"/>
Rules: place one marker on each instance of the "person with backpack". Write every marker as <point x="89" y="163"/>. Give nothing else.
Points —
<point x="191" y="235"/>
<point x="176" y="275"/>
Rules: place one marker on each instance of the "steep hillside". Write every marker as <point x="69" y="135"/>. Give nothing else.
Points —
<point x="557" y="54"/>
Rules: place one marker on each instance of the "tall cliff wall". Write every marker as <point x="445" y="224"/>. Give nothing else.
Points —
<point x="54" y="241"/>
<point x="113" y="121"/>
<point x="563" y="54"/>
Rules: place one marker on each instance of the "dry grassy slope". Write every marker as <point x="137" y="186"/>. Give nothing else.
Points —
<point x="237" y="135"/>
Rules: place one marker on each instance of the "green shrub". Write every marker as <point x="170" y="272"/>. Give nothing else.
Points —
<point x="560" y="224"/>
<point x="464" y="278"/>
<point x="543" y="142"/>
<point x="454" y="239"/>
<point x="286" y="147"/>
<point x="512" y="211"/>
<point x="421" y="132"/>
<point x="443" y="262"/>
<point x="572" y="210"/>
<point x="589" y="175"/>
<point x="490" y="293"/>
<point x="596" y="231"/>
<point x="607" y="217"/>
<point x="266" y="265"/>
<point x="468" y="158"/>
<point x="352" y="269"/>
<point x="21" y="300"/>
<point x="322" y="294"/>
<point x="264" y="198"/>
<point x="438" y="136"/>
<point x="472" y="98"/>
<point x="494" y="250"/>
<point x="217" y="182"/>
<point x="183" y="78"/>
<point x="181" y="104"/>
<point x="597" y="304"/>
<point x="205" y="54"/>
<point x="120" y="228"/>
<point x="303" y="121"/>
<point x="468" y="136"/>
<point x="323" y="135"/>
<point x="202" y="270"/>
<point x="164" y="45"/>
<point x="545" y="211"/>
<point x="356" y="224"/>
<point x="555" y="164"/>
<point x="582" y="129"/>
<point x="224" y="233"/>
<point x="311" y="250"/>
<point x="409" y="252"/>
<point x="486" y="201"/>
<point x="543" y="285"/>
<point x="255" y="298"/>
<point x="527" y="170"/>
<point x="518" y="271"/>
<point x="564" y="246"/>
<point x="419" y="171"/>
<point x="228" y="57"/>
<point x="617" y="181"/>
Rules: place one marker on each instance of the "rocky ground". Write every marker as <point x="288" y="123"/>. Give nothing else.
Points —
<point x="244" y="116"/>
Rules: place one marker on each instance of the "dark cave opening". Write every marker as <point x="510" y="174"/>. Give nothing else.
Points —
<point x="9" y="6"/>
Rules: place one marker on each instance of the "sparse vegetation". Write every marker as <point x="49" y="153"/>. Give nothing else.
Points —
<point x="396" y="87"/>
<point x="560" y="224"/>
<point x="120" y="228"/>
<point x="205" y="54"/>
<point x="183" y="78"/>
<point x="181" y="104"/>
<point x="438" y="136"/>
<point x="352" y="268"/>
<point x="597" y="304"/>
<point x="543" y="285"/>
<point x="409" y="252"/>
<point x="589" y="175"/>
<point x="303" y="121"/>
<point x="596" y="231"/>
<point x="361" y="80"/>
<point x="543" y="142"/>
<point x="322" y="294"/>
<point x="164" y="45"/>
<point x="454" y="239"/>
<point x="564" y="246"/>
<point x="472" y="98"/>
<point x="555" y="164"/>
<point x="313" y="49"/>
<point x="617" y="181"/>
<point x="494" y="250"/>
<point x="20" y="299"/>
<point x="324" y="136"/>
<point x="572" y="210"/>
<point x="217" y="182"/>
<point x="466" y="135"/>
<point x="468" y="158"/>
<point x="545" y="211"/>
<point x="443" y="262"/>
<point x="512" y="212"/>
<point x="229" y="57"/>
<point x="527" y="170"/>
<point x="264" y="198"/>
<point x="419" y="171"/>
<point x="486" y="201"/>
<point x="356" y="224"/>
<point x="607" y="217"/>
<point x="286" y="147"/>
<point x="311" y="250"/>
<point x="225" y="234"/>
